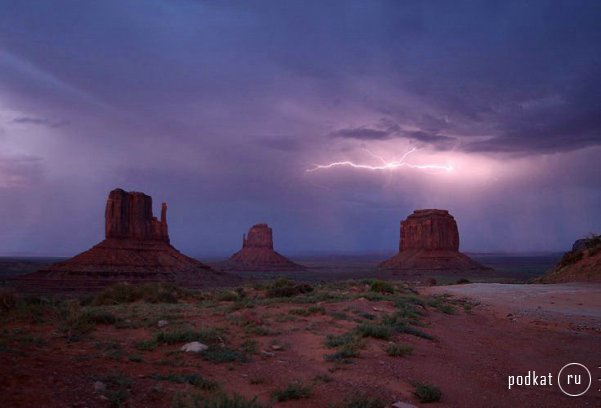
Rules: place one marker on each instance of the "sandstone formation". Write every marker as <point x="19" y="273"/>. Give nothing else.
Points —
<point x="429" y="244"/>
<point x="136" y="250"/>
<point x="581" y="264"/>
<point x="257" y="252"/>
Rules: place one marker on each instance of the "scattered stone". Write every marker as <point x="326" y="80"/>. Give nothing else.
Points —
<point x="194" y="347"/>
<point x="162" y="323"/>
<point x="99" y="387"/>
<point x="276" y="347"/>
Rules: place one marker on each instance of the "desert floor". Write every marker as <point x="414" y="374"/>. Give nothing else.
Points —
<point x="341" y="344"/>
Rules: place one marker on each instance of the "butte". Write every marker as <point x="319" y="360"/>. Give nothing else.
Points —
<point x="257" y="253"/>
<point x="136" y="250"/>
<point x="429" y="245"/>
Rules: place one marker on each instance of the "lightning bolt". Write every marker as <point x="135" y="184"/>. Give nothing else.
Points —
<point x="386" y="165"/>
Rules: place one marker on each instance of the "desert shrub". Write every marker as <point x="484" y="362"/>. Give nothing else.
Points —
<point x="205" y="335"/>
<point x="191" y="379"/>
<point x="427" y="392"/>
<point x="250" y="346"/>
<point x="362" y="401"/>
<point x="344" y="353"/>
<point x="401" y="328"/>
<point x="399" y="350"/>
<point x="183" y="399"/>
<point x="151" y="293"/>
<point x="375" y="296"/>
<point x="73" y="322"/>
<point x="381" y="286"/>
<point x="304" y="311"/>
<point x="146" y="345"/>
<point x="8" y="300"/>
<point x="227" y="296"/>
<point x="134" y="358"/>
<point x="286" y="288"/>
<point x="293" y="391"/>
<point x="220" y="354"/>
<point x="99" y="317"/>
<point x="440" y="303"/>
<point x="117" y="389"/>
<point x="333" y="341"/>
<point x="377" y="331"/>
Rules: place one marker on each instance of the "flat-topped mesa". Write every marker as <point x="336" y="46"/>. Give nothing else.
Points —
<point x="129" y="215"/>
<point x="429" y="243"/>
<point x="259" y="236"/>
<point x="257" y="252"/>
<point x="136" y="250"/>
<point x="429" y="230"/>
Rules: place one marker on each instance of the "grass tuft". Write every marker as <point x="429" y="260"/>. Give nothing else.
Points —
<point x="294" y="391"/>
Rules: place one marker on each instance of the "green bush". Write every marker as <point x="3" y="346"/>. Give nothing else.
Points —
<point x="427" y="392"/>
<point x="381" y="286"/>
<point x="286" y="288"/>
<point x="333" y="341"/>
<point x="362" y="401"/>
<point x="293" y="391"/>
<point x="146" y="345"/>
<point x="377" y="331"/>
<point x="399" y="350"/>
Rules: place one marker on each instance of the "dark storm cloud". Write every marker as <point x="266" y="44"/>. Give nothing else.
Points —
<point x="363" y="133"/>
<point x="227" y="103"/>
<point x="40" y="121"/>
<point x="385" y="129"/>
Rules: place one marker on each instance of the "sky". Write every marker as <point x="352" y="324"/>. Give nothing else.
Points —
<point x="236" y="112"/>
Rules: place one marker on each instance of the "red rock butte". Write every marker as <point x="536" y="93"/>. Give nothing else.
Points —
<point x="136" y="250"/>
<point x="429" y="243"/>
<point x="257" y="252"/>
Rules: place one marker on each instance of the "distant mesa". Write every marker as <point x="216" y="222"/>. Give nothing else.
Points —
<point x="581" y="264"/>
<point x="136" y="250"/>
<point x="429" y="244"/>
<point x="257" y="252"/>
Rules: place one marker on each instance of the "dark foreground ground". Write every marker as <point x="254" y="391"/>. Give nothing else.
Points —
<point x="345" y="344"/>
<point x="342" y="339"/>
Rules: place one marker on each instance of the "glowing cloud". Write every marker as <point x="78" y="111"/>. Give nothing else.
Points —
<point x="386" y="165"/>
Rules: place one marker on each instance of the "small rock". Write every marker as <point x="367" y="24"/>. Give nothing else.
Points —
<point x="194" y="347"/>
<point x="99" y="386"/>
<point x="276" y="347"/>
<point x="162" y="323"/>
<point x="267" y="353"/>
<point x="400" y="404"/>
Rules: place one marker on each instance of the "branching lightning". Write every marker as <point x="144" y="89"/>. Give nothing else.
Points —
<point x="386" y="165"/>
